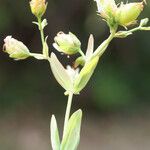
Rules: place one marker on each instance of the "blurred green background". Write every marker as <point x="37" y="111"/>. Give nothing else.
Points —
<point x="118" y="93"/>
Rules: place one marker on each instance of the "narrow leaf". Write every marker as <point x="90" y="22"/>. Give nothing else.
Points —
<point x="90" y="46"/>
<point x="72" y="135"/>
<point x="34" y="22"/>
<point x="55" y="141"/>
<point x="60" y="73"/>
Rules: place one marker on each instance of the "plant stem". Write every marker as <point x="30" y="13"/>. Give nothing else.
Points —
<point x="38" y="56"/>
<point x="68" y="108"/>
<point x="101" y="49"/>
<point x="135" y="29"/>
<point x="130" y="31"/>
<point x="82" y="54"/>
<point x="41" y="31"/>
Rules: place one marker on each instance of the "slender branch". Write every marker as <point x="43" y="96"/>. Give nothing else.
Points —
<point x="82" y="54"/>
<point x="101" y="49"/>
<point x="38" y="56"/>
<point x="68" y="108"/>
<point x="124" y="34"/>
<point x="41" y="31"/>
<point x="134" y="29"/>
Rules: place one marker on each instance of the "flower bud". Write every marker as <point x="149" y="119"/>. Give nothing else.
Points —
<point x="15" y="48"/>
<point x="107" y="9"/>
<point x="67" y="43"/>
<point x="128" y="13"/>
<point x="38" y="7"/>
<point x="144" y="22"/>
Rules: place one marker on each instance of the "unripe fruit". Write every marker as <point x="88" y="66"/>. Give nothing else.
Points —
<point x="128" y="13"/>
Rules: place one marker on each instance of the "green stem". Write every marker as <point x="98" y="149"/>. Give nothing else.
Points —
<point x="41" y="31"/>
<point x="135" y="29"/>
<point x="101" y="49"/>
<point x="120" y="33"/>
<point x="82" y="54"/>
<point x="68" y="108"/>
<point x="145" y="28"/>
<point x="139" y="28"/>
<point x="38" y="56"/>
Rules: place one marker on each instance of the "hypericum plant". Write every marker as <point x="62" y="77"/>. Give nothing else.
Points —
<point x="74" y="78"/>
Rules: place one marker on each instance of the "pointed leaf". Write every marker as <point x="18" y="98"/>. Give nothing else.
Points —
<point x="60" y="73"/>
<point x="55" y="141"/>
<point x="72" y="135"/>
<point x="34" y="22"/>
<point x="90" y="46"/>
<point x="44" y="23"/>
<point x="85" y="74"/>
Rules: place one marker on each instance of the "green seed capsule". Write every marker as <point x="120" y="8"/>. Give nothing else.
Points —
<point x="16" y="49"/>
<point x="127" y="14"/>
<point x="67" y="43"/>
<point x="107" y="10"/>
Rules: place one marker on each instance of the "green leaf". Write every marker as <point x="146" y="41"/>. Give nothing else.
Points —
<point x="55" y="141"/>
<point x="60" y="73"/>
<point x="85" y="74"/>
<point x="72" y="134"/>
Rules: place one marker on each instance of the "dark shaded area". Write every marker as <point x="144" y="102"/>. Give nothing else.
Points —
<point x="28" y="90"/>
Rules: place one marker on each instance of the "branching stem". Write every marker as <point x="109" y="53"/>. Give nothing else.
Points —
<point x="101" y="49"/>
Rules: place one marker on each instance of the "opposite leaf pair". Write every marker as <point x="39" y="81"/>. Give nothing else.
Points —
<point x="71" y="136"/>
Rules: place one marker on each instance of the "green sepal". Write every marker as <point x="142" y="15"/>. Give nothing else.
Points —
<point x="71" y="136"/>
<point x="19" y="56"/>
<point x="127" y="14"/>
<point x="55" y="140"/>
